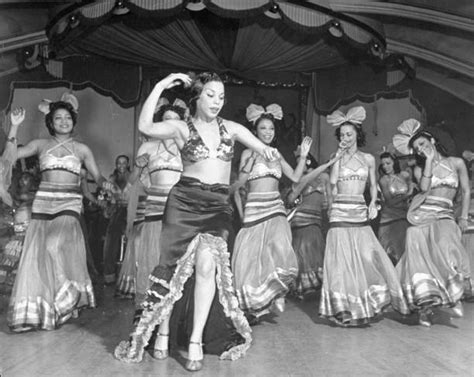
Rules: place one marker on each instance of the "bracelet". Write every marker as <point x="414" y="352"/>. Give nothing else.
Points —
<point x="245" y="171"/>
<point x="426" y="176"/>
<point x="463" y="218"/>
<point x="12" y="139"/>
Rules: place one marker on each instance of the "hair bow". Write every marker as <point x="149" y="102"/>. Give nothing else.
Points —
<point x="254" y="112"/>
<point x="177" y="102"/>
<point x="407" y="129"/>
<point x="355" y="115"/>
<point x="66" y="97"/>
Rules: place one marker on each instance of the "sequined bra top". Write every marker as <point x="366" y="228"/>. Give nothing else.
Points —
<point x="346" y="173"/>
<point x="194" y="150"/>
<point x="70" y="163"/>
<point x="166" y="157"/>
<point x="397" y="185"/>
<point x="263" y="168"/>
<point x="444" y="175"/>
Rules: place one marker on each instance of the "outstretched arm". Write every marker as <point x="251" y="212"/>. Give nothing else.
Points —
<point x="466" y="192"/>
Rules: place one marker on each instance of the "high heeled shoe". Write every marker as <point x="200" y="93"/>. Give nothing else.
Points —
<point x="424" y="319"/>
<point x="160" y="353"/>
<point x="194" y="365"/>
<point x="458" y="310"/>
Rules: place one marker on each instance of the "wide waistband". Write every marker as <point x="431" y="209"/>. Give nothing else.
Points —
<point x="194" y="182"/>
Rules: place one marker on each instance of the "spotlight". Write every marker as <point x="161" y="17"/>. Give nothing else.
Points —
<point x="376" y="49"/>
<point x="274" y="8"/>
<point x="120" y="8"/>
<point x="73" y="20"/>
<point x="335" y="29"/>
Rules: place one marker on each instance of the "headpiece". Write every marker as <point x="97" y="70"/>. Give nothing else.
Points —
<point x="66" y="97"/>
<point x="254" y="112"/>
<point x="407" y="129"/>
<point x="355" y="115"/>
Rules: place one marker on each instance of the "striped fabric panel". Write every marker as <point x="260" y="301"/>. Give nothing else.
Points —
<point x="442" y="207"/>
<point x="255" y="299"/>
<point x="262" y="206"/>
<point x="53" y="199"/>
<point x="306" y="217"/>
<point x="349" y="208"/>
<point x="140" y="211"/>
<point x="126" y="287"/>
<point x="156" y="201"/>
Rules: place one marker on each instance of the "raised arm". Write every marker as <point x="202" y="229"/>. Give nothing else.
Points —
<point x="171" y="129"/>
<point x="466" y="192"/>
<point x="295" y="175"/>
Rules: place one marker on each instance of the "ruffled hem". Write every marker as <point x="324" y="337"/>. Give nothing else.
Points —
<point x="154" y="313"/>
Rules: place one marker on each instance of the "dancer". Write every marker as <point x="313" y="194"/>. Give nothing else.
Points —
<point x="311" y="193"/>
<point x="434" y="268"/>
<point x="52" y="280"/>
<point x="264" y="262"/>
<point x="468" y="233"/>
<point x="161" y="173"/>
<point x="194" y="260"/>
<point x="359" y="279"/>
<point x="397" y="188"/>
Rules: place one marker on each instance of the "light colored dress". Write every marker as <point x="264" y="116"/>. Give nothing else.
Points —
<point x="434" y="270"/>
<point x="52" y="280"/>
<point x="359" y="278"/>
<point x="263" y="262"/>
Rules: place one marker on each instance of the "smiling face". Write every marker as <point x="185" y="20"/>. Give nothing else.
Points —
<point x="387" y="165"/>
<point x="211" y="100"/>
<point x="121" y="164"/>
<point x="421" y="145"/>
<point x="265" y="131"/>
<point x="348" y="136"/>
<point x="62" y="122"/>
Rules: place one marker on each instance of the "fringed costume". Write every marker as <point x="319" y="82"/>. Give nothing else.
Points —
<point x="198" y="216"/>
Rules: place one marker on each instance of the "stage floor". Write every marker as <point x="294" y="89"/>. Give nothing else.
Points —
<point x="294" y="343"/>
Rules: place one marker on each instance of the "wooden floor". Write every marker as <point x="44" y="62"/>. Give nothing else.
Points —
<point x="295" y="343"/>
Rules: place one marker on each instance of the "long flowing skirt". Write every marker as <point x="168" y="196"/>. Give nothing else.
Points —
<point x="392" y="232"/>
<point x="468" y="242"/>
<point x="127" y="278"/>
<point x="434" y="271"/>
<point x="52" y="278"/>
<point x="197" y="217"/>
<point x="359" y="278"/>
<point x="113" y="242"/>
<point x="309" y="244"/>
<point x="263" y="262"/>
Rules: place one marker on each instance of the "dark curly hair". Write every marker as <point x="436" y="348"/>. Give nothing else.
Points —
<point x="358" y="128"/>
<point x="420" y="160"/>
<point x="169" y="107"/>
<point x="197" y="86"/>
<point x="53" y="107"/>
<point x="396" y="163"/>
<point x="271" y="118"/>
